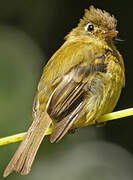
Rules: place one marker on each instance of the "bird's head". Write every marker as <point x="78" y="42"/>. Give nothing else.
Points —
<point x="95" y="24"/>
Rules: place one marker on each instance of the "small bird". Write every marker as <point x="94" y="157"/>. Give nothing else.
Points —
<point x="82" y="81"/>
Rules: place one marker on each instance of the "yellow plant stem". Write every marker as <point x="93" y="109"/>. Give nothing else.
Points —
<point x="104" y="118"/>
<point x="114" y="115"/>
<point x="16" y="138"/>
<point x="12" y="139"/>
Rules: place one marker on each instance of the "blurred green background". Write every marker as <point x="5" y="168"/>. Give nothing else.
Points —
<point x="30" y="32"/>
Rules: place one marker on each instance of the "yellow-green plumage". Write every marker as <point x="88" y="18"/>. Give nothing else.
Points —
<point x="82" y="81"/>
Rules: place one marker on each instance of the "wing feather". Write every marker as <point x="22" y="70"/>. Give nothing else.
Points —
<point x="66" y="104"/>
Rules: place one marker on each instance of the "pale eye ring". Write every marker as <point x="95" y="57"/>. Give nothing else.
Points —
<point x="89" y="27"/>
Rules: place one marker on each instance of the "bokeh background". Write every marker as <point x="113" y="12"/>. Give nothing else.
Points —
<point x="30" y="32"/>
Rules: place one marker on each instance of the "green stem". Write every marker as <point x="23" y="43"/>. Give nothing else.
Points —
<point x="107" y="117"/>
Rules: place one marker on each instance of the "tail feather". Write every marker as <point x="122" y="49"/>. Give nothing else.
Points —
<point x="24" y="156"/>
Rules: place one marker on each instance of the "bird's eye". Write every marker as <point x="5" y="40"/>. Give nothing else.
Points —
<point x="89" y="27"/>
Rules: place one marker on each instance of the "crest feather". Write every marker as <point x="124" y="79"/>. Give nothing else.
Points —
<point x="98" y="17"/>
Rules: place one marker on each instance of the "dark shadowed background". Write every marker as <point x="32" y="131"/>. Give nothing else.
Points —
<point x="30" y="32"/>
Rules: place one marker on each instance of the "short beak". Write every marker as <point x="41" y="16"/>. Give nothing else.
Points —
<point x="110" y="34"/>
